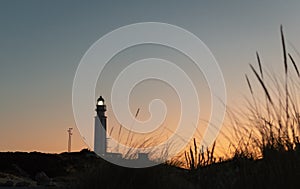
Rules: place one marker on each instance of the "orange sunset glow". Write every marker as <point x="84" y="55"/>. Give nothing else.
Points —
<point x="140" y="94"/>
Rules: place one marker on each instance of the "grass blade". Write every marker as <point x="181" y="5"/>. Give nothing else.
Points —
<point x="249" y="84"/>
<point x="294" y="63"/>
<point x="262" y="84"/>
<point x="259" y="64"/>
<point x="284" y="50"/>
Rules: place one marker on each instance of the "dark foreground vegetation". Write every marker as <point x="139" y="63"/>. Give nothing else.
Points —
<point x="85" y="170"/>
<point x="264" y="149"/>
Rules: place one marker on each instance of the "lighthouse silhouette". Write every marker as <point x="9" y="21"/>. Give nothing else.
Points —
<point x="100" y="138"/>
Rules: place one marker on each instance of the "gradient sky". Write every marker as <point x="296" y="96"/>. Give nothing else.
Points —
<point x="42" y="42"/>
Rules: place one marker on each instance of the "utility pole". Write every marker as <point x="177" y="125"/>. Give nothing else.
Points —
<point x="69" y="141"/>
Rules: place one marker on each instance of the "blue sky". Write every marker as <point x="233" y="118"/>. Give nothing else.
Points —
<point x="42" y="42"/>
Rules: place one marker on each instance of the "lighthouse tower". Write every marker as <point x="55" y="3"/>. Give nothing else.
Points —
<point x="100" y="141"/>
